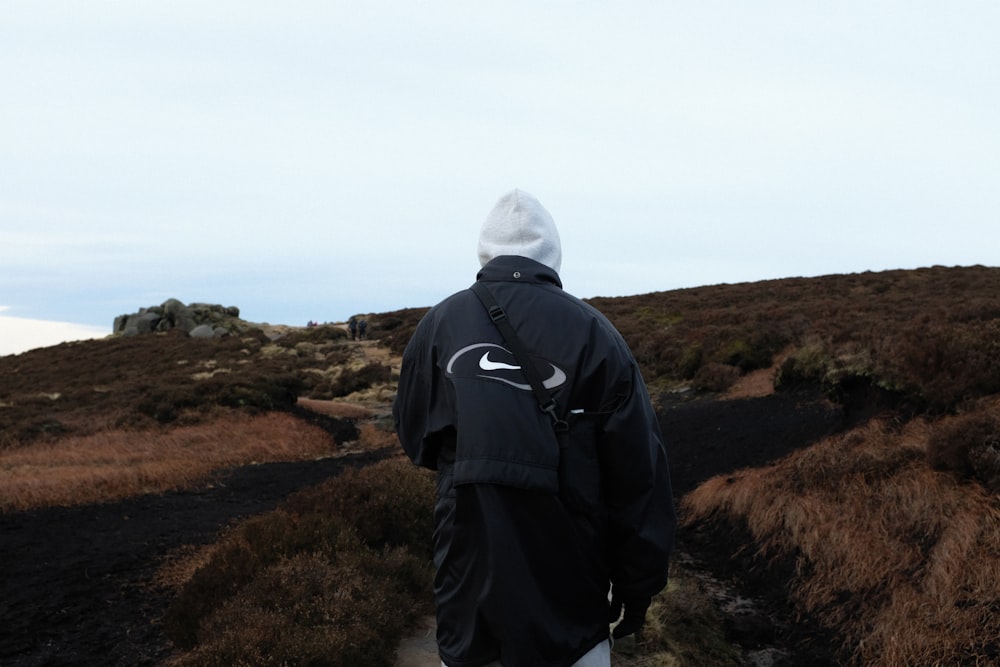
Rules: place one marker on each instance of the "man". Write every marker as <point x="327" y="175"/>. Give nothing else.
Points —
<point x="538" y="515"/>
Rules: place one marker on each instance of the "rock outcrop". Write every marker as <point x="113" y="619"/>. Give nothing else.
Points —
<point x="198" y="320"/>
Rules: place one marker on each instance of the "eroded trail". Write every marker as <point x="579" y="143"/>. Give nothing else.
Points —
<point x="77" y="584"/>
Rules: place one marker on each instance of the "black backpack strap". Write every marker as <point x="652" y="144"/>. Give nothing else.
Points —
<point x="546" y="403"/>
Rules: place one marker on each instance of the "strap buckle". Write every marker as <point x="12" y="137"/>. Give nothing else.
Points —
<point x="497" y="313"/>
<point x="550" y="409"/>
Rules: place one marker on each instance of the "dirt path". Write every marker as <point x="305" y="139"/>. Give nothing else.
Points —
<point x="419" y="649"/>
<point x="77" y="584"/>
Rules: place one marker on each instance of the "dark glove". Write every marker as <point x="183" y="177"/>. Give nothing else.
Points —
<point x="634" y="618"/>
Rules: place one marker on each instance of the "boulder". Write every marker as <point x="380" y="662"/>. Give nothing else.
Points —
<point x="146" y="322"/>
<point x="171" y="307"/>
<point x="202" y="331"/>
<point x="199" y="320"/>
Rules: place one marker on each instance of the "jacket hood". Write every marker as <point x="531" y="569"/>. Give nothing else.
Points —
<point x="520" y="225"/>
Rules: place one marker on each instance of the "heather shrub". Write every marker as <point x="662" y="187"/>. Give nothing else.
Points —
<point x="969" y="447"/>
<point x="330" y="578"/>
<point x="309" y="609"/>
<point x="350" y="381"/>
<point x="258" y="543"/>
<point x="808" y="365"/>
<point x="49" y="427"/>
<point x="253" y="394"/>
<point x="257" y="394"/>
<point x="339" y="382"/>
<point x="390" y="504"/>
<point x="659" y="355"/>
<point x="845" y="375"/>
<point x="690" y="360"/>
<point x="946" y="363"/>
<point x="394" y="329"/>
<point x="322" y="334"/>
<point x="715" y="377"/>
<point x="684" y="627"/>
<point x="165" y="405"/>
<point x="752" y="353"/>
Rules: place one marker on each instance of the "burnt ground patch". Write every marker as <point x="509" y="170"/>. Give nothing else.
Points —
<point x="76" y="582"/>
<point x="706" y="438"/>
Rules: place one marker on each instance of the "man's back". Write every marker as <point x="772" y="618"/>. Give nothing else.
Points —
<point x="533" y="524"/>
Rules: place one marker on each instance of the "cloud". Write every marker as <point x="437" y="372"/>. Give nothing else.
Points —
<point x="20" y="334"/>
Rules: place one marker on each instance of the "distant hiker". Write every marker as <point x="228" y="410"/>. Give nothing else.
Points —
<point x="362" y="329"/>
<point x="553" y="487"/>
<point x="352" y="326"/>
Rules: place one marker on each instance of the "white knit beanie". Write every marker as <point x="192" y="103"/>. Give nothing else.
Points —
<point x="520" y="225"/>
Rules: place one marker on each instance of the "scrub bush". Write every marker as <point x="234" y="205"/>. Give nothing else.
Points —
<point x="683" y="627"/>
<point x="307" y="610"/>
<point x="253" y="394"/>
<point x="715" y="377"/>
<point x="333" y="577"/>
<point x="807" y="366"/>
<point x="755" y="352"/>
<point x="390" y="504"/>
<point x="969" y="447"/>
<point x="946" y="363"/>
<point x="350" y="381"/>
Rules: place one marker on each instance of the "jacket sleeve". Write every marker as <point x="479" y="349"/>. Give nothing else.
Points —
<point x="638" y="494"/>
<point x="412" y="408"/>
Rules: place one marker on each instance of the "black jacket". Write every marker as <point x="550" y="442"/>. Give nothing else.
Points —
<point x="528" y="537"/>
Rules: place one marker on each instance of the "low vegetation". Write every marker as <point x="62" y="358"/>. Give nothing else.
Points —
<point x="118" y="464"/>
<point x="168" y="379"/>
<point x="925" y="339"/>
<point x="886" y="535"/>
<point x="900" y="560"/>
<point x="334" y="577"/>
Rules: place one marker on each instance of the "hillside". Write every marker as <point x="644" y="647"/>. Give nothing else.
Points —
<point x="834" y="443"/>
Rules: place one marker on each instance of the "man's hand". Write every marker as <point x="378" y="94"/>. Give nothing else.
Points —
<point x="634" y="618"/>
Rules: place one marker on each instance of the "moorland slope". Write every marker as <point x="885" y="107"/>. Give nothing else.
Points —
<point x="835" y="450"/>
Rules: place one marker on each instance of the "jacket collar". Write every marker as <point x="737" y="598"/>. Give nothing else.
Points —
<point x="514" y="268"/>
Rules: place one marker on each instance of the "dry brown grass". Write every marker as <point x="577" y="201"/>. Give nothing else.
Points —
<point x="341" y="409"/>
<point x="903" y="561"/>
<point x="121" y="463"/>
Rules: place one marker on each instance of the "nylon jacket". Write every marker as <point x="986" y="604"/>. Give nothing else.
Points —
<point x="531" y="527"/>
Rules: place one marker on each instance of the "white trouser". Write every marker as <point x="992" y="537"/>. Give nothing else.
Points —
<point x="599" y="656"/>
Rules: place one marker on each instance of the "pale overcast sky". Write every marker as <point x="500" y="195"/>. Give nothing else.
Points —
<point x="311" y="160"/>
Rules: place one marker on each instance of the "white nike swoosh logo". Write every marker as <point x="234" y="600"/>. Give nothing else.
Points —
<point x="556" y="379"/>
<point x="487" y="365"/>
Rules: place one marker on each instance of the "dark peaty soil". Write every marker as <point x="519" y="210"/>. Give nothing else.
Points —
<point x="75" y="583"/>
<point x="706" y="438"/>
